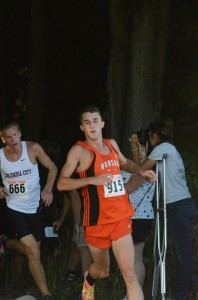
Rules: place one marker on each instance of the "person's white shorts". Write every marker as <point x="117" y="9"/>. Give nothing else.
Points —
<point x="81" y="240"/>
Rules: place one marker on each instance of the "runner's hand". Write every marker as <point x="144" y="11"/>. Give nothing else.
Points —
<point x="149" y="175"/>
<point x="104" y="179"/>
<point x="57" y="224"/>
<point x="47" y="197"/>
<point x="3" y="192"/>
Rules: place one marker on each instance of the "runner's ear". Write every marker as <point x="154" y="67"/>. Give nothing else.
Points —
<point x="3" y="140"/>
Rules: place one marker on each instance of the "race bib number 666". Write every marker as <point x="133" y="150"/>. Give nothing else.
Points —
<point x="18" y="188"/>
<point x="116" y="188"/>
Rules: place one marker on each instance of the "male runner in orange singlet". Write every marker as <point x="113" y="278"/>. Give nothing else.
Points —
<point x="105" y="208"/>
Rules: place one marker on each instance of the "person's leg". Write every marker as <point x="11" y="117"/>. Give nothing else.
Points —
<point x="180" y="218"/>
<point x="101" y="262"/>
<point x="84" y="251"/>
<point x="27" y="228"/>
<point x="30" y="248"/>
<point x="139" y="262"/>
<point x="141" y="229"/>
<point x="98" y="269"/>
<point x="86" y="258"/>
<point x="73" y="264"/>
<point x="124" y="252"/>
<point x="74" y="259"/>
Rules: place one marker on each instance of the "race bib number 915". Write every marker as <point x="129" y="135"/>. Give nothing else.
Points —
<point x="116" y="188"/>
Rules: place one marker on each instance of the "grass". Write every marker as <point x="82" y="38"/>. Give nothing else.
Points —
<point x="55" y="255"/>
<point x="16" y="281"/>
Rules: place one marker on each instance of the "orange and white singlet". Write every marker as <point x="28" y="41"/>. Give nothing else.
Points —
<point x="103" y="204"/>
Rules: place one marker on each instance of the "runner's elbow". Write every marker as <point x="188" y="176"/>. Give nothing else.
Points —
<point x="60" y="186"/>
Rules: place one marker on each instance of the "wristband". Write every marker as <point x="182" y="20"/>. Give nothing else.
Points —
<point x="143" y="158"/>
<point x="134" y="149"/>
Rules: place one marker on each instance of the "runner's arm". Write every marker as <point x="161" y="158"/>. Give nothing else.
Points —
<point x="75" y="158"/>
<point x="38" y="154"/>
<point x="131" y="167"/>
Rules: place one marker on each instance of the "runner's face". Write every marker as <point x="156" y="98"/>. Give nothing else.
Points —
<point x="92" y="125"/>
<point x="12" y="137"/>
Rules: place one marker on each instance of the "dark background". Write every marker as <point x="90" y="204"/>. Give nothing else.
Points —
<point x="77" y="44"/>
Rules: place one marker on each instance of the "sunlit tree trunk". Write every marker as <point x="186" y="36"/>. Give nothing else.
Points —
<point x="135" y="84"/>
<point x="36" y="85"/>
<point x="148" y="43"/>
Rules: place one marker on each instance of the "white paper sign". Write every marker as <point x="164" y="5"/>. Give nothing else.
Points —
<point x="49" y="232"/>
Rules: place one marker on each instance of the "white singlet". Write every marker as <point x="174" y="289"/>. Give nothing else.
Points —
<point x="22" y="181"/>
